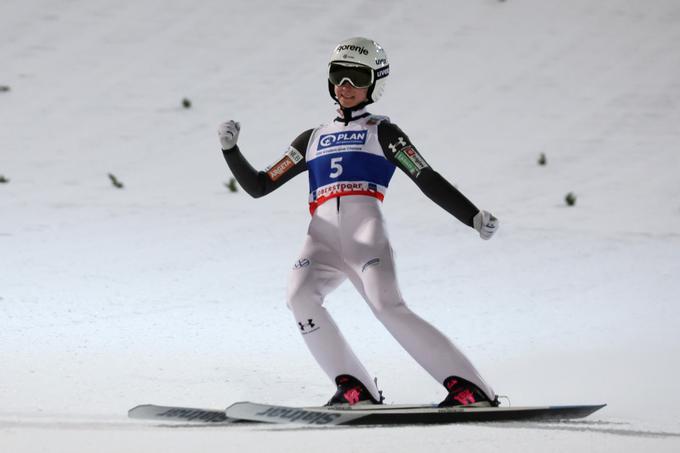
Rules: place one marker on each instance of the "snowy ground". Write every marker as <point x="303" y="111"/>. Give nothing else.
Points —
<point x="172" y="290"/>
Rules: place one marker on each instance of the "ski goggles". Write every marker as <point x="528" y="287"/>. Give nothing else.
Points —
<point x="358" y="76"/>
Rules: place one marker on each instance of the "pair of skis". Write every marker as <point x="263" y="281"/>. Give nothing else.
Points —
<point x="365" y="415"/>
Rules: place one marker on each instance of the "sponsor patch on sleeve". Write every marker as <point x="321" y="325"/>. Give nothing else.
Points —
<point x="288" y="161"/>
<point x="294" y="155"/>
<point x="406" y="163"/>
<point x="416" y="158"/>
<point x="411" y="160"/>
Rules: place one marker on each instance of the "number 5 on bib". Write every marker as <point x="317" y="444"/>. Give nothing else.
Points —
<point x="336" y="167"/>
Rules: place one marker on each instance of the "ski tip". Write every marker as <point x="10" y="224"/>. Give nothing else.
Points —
<point x="591" y="408"/>
<point x="177" y="413"/>
<point x="238" y="403"/>
<point x="131" y="411"/>
<point x="597" y="406"/>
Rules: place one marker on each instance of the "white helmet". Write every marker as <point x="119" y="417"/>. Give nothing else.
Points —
<point x="361" y="53"/>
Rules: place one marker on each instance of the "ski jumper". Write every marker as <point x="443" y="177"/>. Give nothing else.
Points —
<point x="350" y="162"/>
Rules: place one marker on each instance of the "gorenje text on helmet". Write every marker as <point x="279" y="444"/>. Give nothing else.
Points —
<point x="353" y="48"/>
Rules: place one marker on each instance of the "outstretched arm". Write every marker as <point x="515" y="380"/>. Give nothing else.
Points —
<point x="260" y="183"/>
<point x="399" y="150"/>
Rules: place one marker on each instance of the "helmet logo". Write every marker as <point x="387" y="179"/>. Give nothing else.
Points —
<point x="352" y="48"/>
<point x="383" y="72"/>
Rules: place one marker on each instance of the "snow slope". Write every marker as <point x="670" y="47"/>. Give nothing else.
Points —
<point x="172" y="289"/>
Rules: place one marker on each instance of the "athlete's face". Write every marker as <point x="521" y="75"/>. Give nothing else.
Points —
<point x="350" y="96"/>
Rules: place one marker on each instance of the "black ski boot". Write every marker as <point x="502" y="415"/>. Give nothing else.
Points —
<point x="350" y="392"/>
<point x="465" y="393"/>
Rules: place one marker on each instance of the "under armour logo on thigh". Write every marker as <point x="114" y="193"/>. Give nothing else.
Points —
<point x="308" y="327"/>
<point x="301" y="263"/>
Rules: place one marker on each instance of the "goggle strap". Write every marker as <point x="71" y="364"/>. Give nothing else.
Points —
<point x="382" y="72"/>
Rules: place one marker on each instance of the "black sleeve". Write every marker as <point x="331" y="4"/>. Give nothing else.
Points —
<point x="399" y="150"/>
<point x="260" y="183"/>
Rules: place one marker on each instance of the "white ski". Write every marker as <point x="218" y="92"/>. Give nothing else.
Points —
<point x="386" y="414"/>
<point x="401" y="415"/>
<point x="180" y="414"/>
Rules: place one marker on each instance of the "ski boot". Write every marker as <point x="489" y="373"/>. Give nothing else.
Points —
<point x="465" y="393"/>
<point x="350" y="392"/>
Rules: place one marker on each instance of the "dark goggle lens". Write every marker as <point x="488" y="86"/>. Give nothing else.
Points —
<point x="359" y="76"/>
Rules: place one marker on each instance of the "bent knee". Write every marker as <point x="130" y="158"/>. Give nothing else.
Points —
<point x="385" y="308"/>
<point x="300" y="296"/>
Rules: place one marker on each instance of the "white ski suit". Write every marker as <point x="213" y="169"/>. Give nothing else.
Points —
<point x="350" y="162"/>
